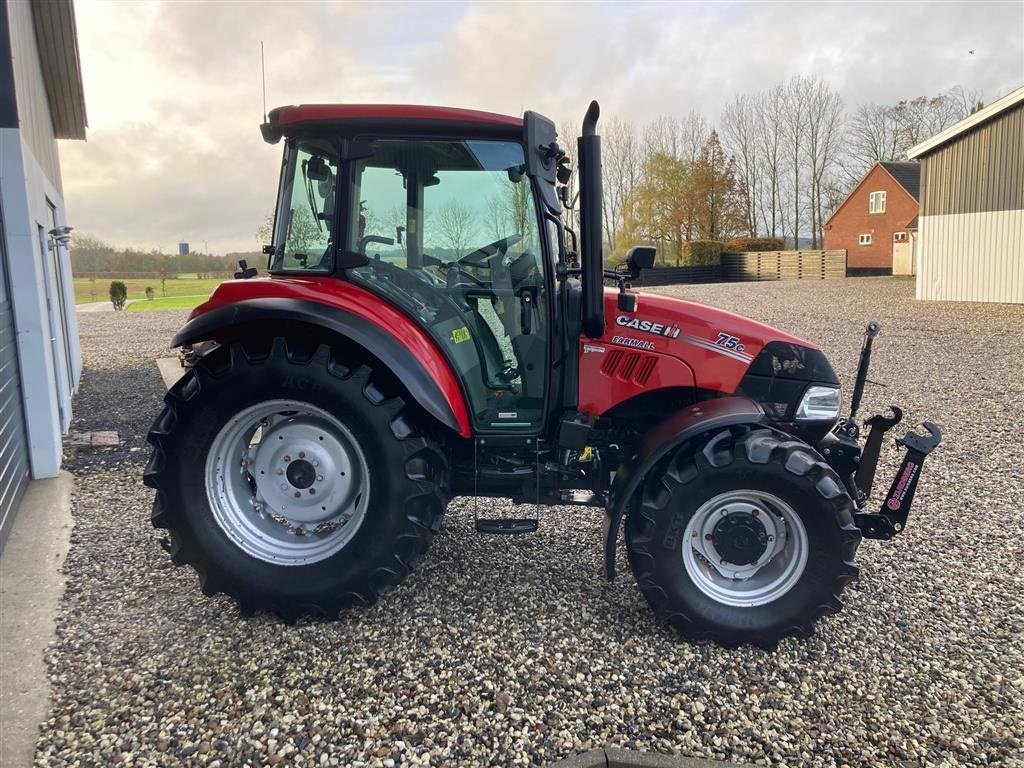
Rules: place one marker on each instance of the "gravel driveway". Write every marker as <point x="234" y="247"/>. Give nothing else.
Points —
<point x="515" y="651"/>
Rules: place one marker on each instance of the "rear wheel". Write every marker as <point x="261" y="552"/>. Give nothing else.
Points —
<point x="748" y="537"/>
<point x="294" y="478"/>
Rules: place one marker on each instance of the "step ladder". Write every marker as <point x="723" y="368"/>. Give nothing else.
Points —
<point x="506" y="526"/>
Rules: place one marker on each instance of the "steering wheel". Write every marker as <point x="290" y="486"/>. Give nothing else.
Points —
<point x="482" y="257"/>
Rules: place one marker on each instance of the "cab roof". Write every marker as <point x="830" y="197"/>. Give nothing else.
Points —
<point x="286" y="120"/>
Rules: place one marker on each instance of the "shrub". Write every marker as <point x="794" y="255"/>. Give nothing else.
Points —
<point x="701" y="253"/>
<point x="150" y="293"/>
<point x="118" y="294"/>
<point x="751" y="244"/>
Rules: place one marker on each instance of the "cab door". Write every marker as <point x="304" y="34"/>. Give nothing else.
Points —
<point x="450" y="232"/>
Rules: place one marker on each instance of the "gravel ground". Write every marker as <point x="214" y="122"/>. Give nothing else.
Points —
<point x="502" y="651"/>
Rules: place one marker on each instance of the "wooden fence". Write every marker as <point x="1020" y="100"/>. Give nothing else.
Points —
<point x="676" y="275"/>
<point x="784" y="265"/>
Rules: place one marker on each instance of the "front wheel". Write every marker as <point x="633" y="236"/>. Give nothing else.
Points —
<point x="746" y="538"/>
<point x="293" y="477"/>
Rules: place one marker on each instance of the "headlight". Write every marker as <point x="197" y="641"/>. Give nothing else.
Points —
<point x="819" y="404"/>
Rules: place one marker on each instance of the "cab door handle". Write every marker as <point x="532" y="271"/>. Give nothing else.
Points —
<point x="527" y="299"/>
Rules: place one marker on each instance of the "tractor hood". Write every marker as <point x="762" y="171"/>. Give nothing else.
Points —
<point x="670" y="342"/>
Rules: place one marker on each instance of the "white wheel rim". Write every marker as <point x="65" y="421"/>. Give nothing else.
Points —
<point x="287" y="482"/>
<point x="745" y="584"/>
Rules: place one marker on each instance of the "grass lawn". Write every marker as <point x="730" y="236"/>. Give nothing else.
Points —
<point x="171" y="302"/>
<point x="87" y="290"/>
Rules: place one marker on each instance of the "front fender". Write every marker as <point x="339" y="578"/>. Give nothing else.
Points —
<point x="691" y="421"/>
<point x="400" y="345"/>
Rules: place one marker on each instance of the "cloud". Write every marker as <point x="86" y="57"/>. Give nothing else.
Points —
<point x="174" y="97"/>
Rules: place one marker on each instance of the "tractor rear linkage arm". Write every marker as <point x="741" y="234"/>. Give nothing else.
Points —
<point x="891" y="518"/>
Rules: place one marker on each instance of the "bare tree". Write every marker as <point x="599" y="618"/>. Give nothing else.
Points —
<point x="672" y="137"/>
<point x="621" y="162"/>
<point x="456" y="224"/>
<point x="694" y="134"/>
<point x="770" y="139"/>
<point x="873" y="134"/>
<point x="795" y="131"/>
<point x="886" y="131"/>
<point x="966" y="101"/>
<point x="740" y="133"/>
<point x="663" y="136"/>
<point x="824" y="129"/>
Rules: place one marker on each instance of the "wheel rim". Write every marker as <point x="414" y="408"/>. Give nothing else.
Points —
<point x="287" y="482"/>
<point x="745" y="548"/>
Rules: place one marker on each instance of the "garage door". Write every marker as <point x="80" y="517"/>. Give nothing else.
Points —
<point x="13" y="445"/>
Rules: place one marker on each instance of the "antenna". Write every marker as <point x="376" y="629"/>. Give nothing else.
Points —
<point x="263" y="71"/>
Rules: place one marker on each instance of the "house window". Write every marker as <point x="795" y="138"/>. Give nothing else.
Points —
<point x="899" y="237"/>
<point x="876" y="202"/>
<point x="865" y="239"/>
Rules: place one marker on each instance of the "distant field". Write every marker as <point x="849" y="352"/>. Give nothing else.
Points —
<point x="87" y="290"/>
<point x="171" y="302"/>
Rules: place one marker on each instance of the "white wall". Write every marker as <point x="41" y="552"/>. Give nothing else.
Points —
<point x="972" y="257"/>
<point x="29" y="176"/>
<point x="46" y="385"/>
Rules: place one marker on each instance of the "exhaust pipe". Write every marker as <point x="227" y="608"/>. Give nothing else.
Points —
<point x="592" y="261"/>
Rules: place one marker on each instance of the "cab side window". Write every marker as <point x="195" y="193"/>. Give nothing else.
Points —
<point x="304" y="225"/>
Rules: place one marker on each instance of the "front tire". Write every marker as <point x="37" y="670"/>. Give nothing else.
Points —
<point x="294" y="478"/>
<point x="746" y="537"/>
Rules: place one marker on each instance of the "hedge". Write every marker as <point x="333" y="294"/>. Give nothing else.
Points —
<point x="701" y="253"/>
<point x="749" y="244"/>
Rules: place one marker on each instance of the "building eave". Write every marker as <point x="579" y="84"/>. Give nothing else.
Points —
<point x="983" y="115"/>
<point x="57" y="41"/>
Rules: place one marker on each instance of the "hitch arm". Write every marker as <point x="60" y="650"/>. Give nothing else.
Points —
<point x="892" y="517"/>
<point x="879" y="425"/>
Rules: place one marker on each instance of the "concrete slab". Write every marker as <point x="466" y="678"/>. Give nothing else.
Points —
<point x="78" y="439"/>
<point x="613" y="757"/>
<point x="170" y="370"/>
<point x="31" y="585"/>
<point x="595" y="758"/>
<point x="105" y="439"/>
<point x="628" y="758"/>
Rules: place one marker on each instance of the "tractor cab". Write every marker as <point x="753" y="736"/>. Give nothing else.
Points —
<point x="457" y="232"/>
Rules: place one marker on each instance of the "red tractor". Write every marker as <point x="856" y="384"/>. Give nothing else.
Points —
<point x="432" y="328"/>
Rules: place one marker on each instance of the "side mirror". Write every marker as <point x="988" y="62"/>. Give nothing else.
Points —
<point x="640" y="257"/>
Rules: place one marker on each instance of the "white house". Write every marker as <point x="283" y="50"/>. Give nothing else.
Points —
<point x="41" y="100"/>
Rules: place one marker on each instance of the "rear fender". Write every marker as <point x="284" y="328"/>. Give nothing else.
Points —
<point x="705" y="416"/>
<point x="404" y="349"/>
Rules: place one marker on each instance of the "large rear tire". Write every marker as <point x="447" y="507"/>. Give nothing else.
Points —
<point x="746" y="537"/>
<point x="294" y="478"/>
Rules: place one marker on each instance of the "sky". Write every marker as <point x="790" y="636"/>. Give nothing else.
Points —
<point x="174" y="96"/>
